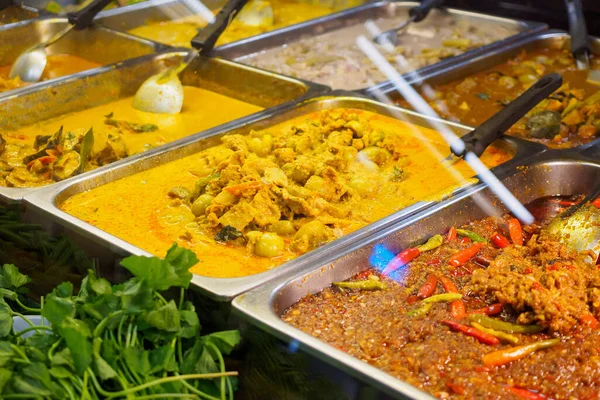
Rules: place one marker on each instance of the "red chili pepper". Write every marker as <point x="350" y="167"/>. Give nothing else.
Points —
<point x="412" y="299"/>
<point x="457" y="308"/>
<point x="516" y="232"/>
<point x="596" y="202"/>
<point x="464" y="240"/>
<point x="527" y="270"/>
<point x="365" y="274"/>
<point x="476" y="333"/>
<point x="436" y="262"/>
<point x="500" y="241"/>
<point x="589" y="320"/>
<point x="537" y="286"/>
<point x="451" y="234"/>
<point x="428" y="287"/>
<point x="401" y="259"/>
<point x="524" y="393"/>
<point x="492" y="309"/>
<point x="465" y="255"/>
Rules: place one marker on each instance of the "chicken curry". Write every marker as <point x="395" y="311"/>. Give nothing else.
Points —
<point x="258" y="16"/>
<point x="255" y="201"/>
<point x="61" y="147"/>
<point x="57" y="65"/>
<point x="568" y="118"/>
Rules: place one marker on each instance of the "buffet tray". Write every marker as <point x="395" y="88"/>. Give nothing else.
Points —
<point x="242" y="49"/>
<point x="107" y="84"/>
<point x="46" y="201"/>
<point x="264" y="305"/>
<point x="551" y="38"/>
<point x="16" y="14"/>
<point x="98" y="44"/>
<point x="130" y="17"/>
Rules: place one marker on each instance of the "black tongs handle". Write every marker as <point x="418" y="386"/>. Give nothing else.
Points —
<point x="205" y="40"/>
<point x="418" y="13"/>
<point x="83" y="18"/>
<point x="577" y="27"/>
<point x="492" y="129"/>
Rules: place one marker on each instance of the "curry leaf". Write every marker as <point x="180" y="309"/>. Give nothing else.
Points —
<point x="166" y="318"/>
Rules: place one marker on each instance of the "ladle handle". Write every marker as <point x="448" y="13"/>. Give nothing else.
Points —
<point x="577" y="27"/>
<point x="205" y="40"/>
<point x="83" y="18"/>
<point x="492" y="129"/>
<point x="418" y="13"/>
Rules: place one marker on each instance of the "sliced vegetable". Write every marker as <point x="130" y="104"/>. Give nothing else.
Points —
<point x="516" y="232"/>
<point x="465" y="255"/>
<point x="471" y="235"/>
<point x="457" y="308"/>
<point x="492" y="309"/>
<point x="503" y="336"/>
<point x="428" y="287"/>
<point x="500" y="241"/>
<point x="524" y="393"/>
<point x="505" y="356"/>
<point x="433" y="243"/>
<point x="470" y="331"/>
<point x="503" y="326"/>
<point x="451" y="234"/>
<point x="589" y="320"/>
<point x="421" y="311"/>
<point x="372" y="283"/>
<point x="444" y="297"/>
<point x="401" y="260"/>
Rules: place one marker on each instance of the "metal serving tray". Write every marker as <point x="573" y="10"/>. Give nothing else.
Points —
<point x="16" y="14"/>
<point x="47" y="201"/>
<point x="108" y="84"/>
<point x="246" y="48"/>
<point x="130" y="17"/>
<point x="264" y="305"/>
<point x="98" y="44"/>
<point x="553" y="38"/>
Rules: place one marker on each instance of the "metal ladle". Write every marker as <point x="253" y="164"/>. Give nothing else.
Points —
<point x="30" y="65"/>
<point x="416" y="14"/>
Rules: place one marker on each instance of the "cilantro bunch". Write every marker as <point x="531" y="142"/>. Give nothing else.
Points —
<point x="113" y="341"/>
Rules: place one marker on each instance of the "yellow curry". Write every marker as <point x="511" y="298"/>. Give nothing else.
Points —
<point x="57" y="65"/>
<point x="61" y="147"/>
<point x="258" y="16"/>
<point x="256" y="201"/>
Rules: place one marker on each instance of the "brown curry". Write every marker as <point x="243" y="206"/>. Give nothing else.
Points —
<point x="568" y="118"/>
<point x="256" y="201"/>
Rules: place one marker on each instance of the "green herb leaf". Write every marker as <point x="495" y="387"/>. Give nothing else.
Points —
<point x="136" y="296"/>
<point x="227" y="234"/>
<point x="166" y="318"/>
<point x="163" y="274"/>
<point x="483" y="96"/>
<point x="6" y="353"/>
<point x="11" y="278"/>
<point x="76" y="334"/>
<point x="64" y="290"/>
<point x="190" y="325"/>
<point x="87" y="146"/>
<point x="137" y="359"/>
<point x="56" y="309"/>
<point x="39" y="372"/>
<point x="206" y="363"/>
<point x="5" y="376"/>
<point x="162" y="358"/>
<point x="224" y="340"/>
<point x="6" y="320"/>
<point x="101" y="367"/>
<point x="60" y="372"/>
<point x="63" y="358"/>
<point x="29" y="386"/>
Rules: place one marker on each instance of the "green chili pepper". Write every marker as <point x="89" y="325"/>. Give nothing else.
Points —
<point x="433" y="243"/>
<point x="444" y="297"/>
<point x="421" y="311"/>
<point x="496" y="324"/>
<point x="471" y="235"/>
<point x="369" y="284"/>
<point x="505" y="337"/>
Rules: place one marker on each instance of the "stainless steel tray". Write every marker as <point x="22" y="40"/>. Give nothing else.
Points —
<point x="98" y="44"/>
<point x="46" y="201"/>
<point x="263" y="306"/>
<point x="129" y="17"/>
<point x="107" y="84"/>
<point x="16" y="14"/>
<point x="553" y="38"/>
<point x="244" y="48"/>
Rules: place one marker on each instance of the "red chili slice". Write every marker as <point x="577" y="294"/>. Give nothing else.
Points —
<point x="428" y="287"/>
<point x="401" y="259"/>
<point x="516" y="232"/>
<point x="476" y="333"/>
<point x="465" y="255"/>
<point x="500" y="241"/>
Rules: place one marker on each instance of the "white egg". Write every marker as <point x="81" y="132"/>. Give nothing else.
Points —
<point x="159" y="98"/>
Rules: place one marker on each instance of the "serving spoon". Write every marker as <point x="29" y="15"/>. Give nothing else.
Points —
<point x="30" y="65"/>
<point x="491" y="130"/>
<point x="416" y="14"/>
<point x="163" y="93"/>
<point x="580" y="42"/>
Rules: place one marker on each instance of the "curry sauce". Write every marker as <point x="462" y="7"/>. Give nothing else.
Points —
<point x="61" y="147"/>
<point x="258" y="200"/>
<point x="57" y="65"/>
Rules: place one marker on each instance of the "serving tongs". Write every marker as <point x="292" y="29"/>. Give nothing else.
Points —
<point x="416" y="14"/>
<point x="580" y="42"/>
<point x="30" y="65"/>
<point x="491" y="130"/>
<point x="163" y="93"/>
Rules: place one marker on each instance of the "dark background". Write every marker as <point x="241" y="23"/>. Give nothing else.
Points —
<point x="552" y="12"/>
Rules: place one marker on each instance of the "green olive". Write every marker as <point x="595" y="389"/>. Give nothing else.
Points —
<point x="201" y="204"/>
<point x="269" y="245"/>
<point x="363" y="186"/>
<point x="284" y="228"/>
